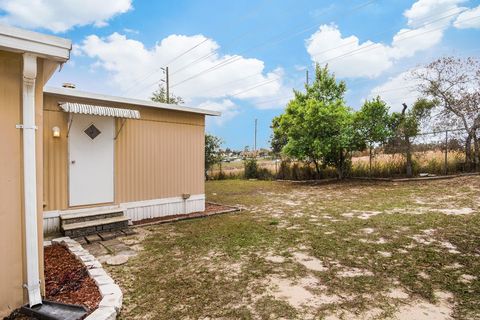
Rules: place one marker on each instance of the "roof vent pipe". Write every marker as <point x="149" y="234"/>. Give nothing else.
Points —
<point x="68" y="85"/>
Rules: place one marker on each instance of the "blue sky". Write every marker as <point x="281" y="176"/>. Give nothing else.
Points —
<point x="250" y="54"/>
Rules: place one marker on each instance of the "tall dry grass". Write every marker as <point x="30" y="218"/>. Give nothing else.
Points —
<point x="388" y="165"/>
<point x="383" y="166"/>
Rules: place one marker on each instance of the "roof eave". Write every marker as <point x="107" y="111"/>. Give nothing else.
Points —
<point x="74" y="93"/>
<point x="19" y="40"/>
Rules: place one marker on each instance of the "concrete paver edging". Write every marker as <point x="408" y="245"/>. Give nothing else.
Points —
<point x="112" y="295"/>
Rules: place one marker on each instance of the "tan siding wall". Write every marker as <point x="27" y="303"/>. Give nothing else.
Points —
<point x="55" y="162"/>
<point x="12" y="266"/>
<point x="159" y="156"/>
<point x="158" y="160"/>
<point x="11" y="240"/>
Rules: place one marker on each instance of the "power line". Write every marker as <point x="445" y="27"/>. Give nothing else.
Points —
<point x="393" y="89"/>
<point x="254" y="87"/>
<point x="371" y="46"/>
<point x="376" y="45"/>
<point x="256" y="10"/>
<point x="358" y="50"/>
<point x="237" y="57"/>
<point x="373" y="92"/>
<point x="384" y="32"/>
<point x="273" y="100"/>
<point x="424" y="19"/>
<point x="402" y="39"/>
<point x="234" y="81"/>
<point x="215" y="51"/>
<point x="184" y="53"/>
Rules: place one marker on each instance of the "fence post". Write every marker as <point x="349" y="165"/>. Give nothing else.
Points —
<point x="446" y="152"/>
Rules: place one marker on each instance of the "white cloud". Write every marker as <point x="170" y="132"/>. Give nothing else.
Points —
<point x="407" y="42"/>
<point x="133" y="31"/>
<point x="136" y="70"/>
<point x="427" y="10"/>
<point x="327" y="43"/>
<point x="468" y="19"/>
<point x="397" y="90"/>
<point x="427" y="21"/>
<point x="60" y="16"/>
<point x="226" y="106"/>
<point x="276" y="103"/>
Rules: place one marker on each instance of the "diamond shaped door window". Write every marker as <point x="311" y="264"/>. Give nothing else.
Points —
<point x="92" y="131"/>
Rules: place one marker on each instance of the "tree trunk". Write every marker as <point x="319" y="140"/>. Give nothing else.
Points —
<point x="468" y="152"/>
<point x="370" y="162"/>
<point x="341" y="166"/>
<point x="339" y="173"/>
<point x="476" y="151"/>
<point x="317" y="168"/>
<point x="408" y="152"/>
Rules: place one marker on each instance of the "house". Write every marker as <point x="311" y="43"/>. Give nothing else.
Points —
<point x="109" y="153"/>
<point x="67" y="154"/>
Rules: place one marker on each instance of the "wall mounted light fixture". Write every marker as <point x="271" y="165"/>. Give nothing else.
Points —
<point x="56" y="132"/>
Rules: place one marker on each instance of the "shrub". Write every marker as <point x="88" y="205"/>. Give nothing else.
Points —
<point x="251" y="168"/>
<point x="220" y="176"/>
<point x="284" y="171"/>
<point x="264" y="174"/>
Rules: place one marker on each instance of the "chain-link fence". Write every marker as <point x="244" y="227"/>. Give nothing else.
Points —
<point x="442" y="152"/>
<point x="428" y="153"/>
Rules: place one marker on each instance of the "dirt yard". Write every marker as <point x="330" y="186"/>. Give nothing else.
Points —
<point x="349" y="250"/>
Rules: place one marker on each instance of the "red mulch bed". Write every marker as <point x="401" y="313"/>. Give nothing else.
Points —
<point x="210" y="209"/>
<point x="67" y="280"/>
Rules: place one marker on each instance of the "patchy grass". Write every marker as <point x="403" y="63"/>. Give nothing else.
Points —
<point x="337" y="251"/>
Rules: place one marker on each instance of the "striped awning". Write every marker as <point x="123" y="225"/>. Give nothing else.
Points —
<point x="99" y="110"/>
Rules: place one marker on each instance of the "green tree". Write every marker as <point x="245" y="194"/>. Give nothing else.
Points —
<point x="279" y="138"/>
<point x="212" y="152"/>
<point x="318" y="125"/>
<point x="406" y="125"/>
<point x="372" y="123"/>
<point x="160" y="95"/>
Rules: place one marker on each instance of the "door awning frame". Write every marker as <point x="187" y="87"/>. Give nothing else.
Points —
<point x="82" y="108"/>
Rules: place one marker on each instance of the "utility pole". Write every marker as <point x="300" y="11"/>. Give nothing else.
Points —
<point x="255" y="142"/>
<point x="307" y="77"/>
<point x="167" y="83"/>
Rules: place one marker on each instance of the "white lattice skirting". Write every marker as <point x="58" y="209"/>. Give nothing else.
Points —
<point x="137" y="210"/>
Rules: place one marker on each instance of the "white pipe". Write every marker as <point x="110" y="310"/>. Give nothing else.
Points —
<point x="30" y="179"/>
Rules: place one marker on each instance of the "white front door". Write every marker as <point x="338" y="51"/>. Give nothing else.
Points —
<point x="91" y="159"/>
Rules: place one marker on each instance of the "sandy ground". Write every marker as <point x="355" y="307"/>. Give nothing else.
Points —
<point x="326" y="258"/>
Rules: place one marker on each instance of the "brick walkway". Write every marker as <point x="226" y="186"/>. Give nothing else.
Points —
<point x="114" y="246"/>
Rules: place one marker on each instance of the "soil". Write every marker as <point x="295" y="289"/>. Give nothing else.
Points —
<point x="210" y="209"/>
<point x="67" y="280"/>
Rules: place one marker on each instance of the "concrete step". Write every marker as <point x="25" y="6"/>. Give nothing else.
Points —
<point x="88" y="227"/>
<point x="90" y="215"/>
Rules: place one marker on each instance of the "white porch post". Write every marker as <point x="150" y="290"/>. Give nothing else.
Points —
<point x="30" y="179"/>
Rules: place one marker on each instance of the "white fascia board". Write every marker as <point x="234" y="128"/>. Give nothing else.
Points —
<point x="74" y="93"/>
<point x="19" y="40"/>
